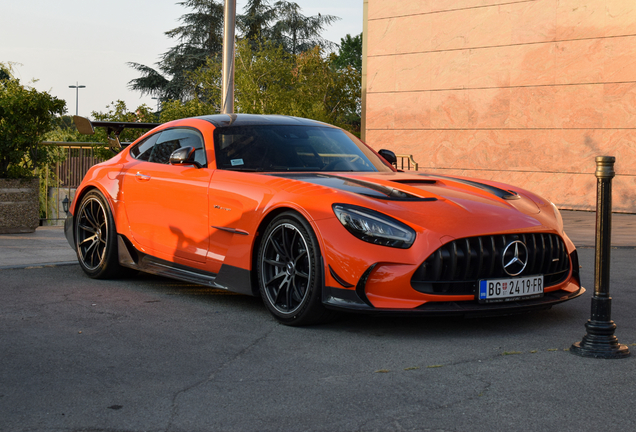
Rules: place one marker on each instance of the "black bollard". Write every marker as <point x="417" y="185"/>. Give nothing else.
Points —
<point x="599" y="341"/>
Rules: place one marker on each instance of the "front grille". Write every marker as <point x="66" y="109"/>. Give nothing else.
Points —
<point x="455" y="268"/>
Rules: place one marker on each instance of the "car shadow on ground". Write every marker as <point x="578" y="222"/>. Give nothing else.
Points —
<point x="430" y="327"/>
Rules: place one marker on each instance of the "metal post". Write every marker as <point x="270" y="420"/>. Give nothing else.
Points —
<point x="227" y="103"/>
<point x="77" y="87"/>
<point x="599" y="341"/>
<point x="46" y="195"/>
<point x="363" y="96"/>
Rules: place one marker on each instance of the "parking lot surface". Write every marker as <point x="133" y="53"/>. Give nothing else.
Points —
<point x="152" y="354"/>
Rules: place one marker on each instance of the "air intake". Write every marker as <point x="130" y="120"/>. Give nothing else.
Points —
<point x="455" y="268"/>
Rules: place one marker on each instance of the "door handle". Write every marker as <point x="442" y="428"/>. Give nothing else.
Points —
<point x="142" y="177"/>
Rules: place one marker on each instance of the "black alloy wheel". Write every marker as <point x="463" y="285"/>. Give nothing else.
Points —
<point x="289" y="271"/>
<point x="96" y="237"/>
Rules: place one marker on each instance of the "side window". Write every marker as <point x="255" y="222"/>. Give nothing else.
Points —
<point x="239" y="148"/>
<point x="142" y="150"/>
<point x="158" y="147"/>
<point x="173" y="139"/>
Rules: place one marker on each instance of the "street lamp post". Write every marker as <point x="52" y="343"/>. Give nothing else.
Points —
<point x="227" y="93"/>
<point x="77" y="87"/>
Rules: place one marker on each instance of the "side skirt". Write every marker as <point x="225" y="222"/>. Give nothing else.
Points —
<point x="229" y="277"/>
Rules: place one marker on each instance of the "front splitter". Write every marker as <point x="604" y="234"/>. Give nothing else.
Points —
<point x="342" y="299"/>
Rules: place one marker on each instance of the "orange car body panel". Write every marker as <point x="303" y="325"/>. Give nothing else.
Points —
<point x="216" y="222"/>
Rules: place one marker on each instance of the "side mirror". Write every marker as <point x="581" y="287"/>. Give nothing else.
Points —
<point x="389" y="156"/>
<point x="184" y="156"/>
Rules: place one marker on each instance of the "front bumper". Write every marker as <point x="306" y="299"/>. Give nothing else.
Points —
<point x="349" y="300"/>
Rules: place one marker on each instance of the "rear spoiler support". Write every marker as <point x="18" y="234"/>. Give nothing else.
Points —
<point x="113" y="129"/>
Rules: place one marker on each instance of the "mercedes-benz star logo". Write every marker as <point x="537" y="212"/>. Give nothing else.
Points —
<point x="515" y="258"/>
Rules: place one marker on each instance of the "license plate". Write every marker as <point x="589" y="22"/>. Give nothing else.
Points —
<point x="510" y="289"/>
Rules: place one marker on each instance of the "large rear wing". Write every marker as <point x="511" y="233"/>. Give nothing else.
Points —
<point x="113" y="129"/>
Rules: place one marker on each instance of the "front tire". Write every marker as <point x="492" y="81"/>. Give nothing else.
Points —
<point x="290" y="272"/>
<point x="96" y="238"/>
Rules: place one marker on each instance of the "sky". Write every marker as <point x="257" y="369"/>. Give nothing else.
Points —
<point x="89" y="42"/>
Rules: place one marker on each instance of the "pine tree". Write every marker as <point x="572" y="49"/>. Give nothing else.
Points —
<point x="200" y="43"/>
<point x="200" y="37"/>
<point x="296" y="32"/>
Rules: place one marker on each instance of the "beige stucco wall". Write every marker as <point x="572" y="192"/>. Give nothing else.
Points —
<point x="524" y="92"/>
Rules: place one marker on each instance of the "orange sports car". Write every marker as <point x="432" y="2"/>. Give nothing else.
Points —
<point x="311" y="219"/>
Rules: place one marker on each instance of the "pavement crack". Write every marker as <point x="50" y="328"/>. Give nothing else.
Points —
<point x="491" y="357"/>
<point x="212" y="375"/>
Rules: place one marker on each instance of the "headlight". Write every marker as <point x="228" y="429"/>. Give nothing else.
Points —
<point x="374" y="227"/>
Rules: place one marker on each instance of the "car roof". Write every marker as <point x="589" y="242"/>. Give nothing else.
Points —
<point x="236" y="120"/>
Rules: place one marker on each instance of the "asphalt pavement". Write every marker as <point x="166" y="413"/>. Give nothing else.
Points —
<point x="152" y="354"/>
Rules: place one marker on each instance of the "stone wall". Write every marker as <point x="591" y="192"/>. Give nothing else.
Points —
<point x="524" y="92"/>
<point x="19" y="205"/>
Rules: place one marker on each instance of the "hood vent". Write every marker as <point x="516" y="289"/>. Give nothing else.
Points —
<point x="501" y="193"/>
<point x="361" y="187"/>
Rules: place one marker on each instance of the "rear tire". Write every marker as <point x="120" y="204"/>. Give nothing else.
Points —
<point x="290" y="272"/>
<point x="96" y="238"/>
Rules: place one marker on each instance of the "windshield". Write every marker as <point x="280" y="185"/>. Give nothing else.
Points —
<point x="292" y="148"/>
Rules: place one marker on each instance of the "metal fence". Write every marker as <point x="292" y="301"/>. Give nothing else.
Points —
<point x="410" y="162"/>
<point x="61" y="181"/>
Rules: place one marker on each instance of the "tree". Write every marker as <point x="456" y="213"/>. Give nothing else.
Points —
<point x="200" y="37"/>
<point x="200" y="41"/>
<point x="349" y="53"/>
<point x="348" y="61"/>
<point x="174" y="110"/>
<point x="5" y="72"/>
<point x="263" y="80"/>
<point x="201" y="34"/>
<point x="153" y="83"/>
<point x="284" y="25"/>
<point x="255" y="23"/>
<point x="268" y="80"/>
<point x="297" y="33"/>
<point x="64" y="130"/>
<point x="26" y="115"/>
<point x="322" y="92"/>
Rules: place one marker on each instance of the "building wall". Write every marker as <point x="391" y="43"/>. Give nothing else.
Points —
<point x="527" y="92"/>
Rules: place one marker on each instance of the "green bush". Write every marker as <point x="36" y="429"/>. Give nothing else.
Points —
<point x="26" y="115"/>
